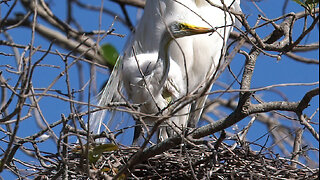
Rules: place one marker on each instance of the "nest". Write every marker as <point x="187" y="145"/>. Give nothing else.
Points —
<point x="223" y="164"/>
<point x="184" y="162"/>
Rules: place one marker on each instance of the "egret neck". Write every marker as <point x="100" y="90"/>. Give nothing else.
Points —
<point x="175" y="30"/>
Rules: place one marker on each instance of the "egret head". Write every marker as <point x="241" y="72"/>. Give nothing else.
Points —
<point x="179" y="29"/>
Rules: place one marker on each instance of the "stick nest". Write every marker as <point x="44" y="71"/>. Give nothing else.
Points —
<point x="185" y="162"/>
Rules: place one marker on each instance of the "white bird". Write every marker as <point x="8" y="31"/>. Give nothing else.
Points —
<point x="195" y="57"/>
<point x="153" y="79"/>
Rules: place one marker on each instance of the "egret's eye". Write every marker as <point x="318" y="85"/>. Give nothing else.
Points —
<point x="182" y="26"/>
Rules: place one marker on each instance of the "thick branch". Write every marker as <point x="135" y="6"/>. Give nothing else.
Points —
<point x="137" y="3"/>
<point x="304" y="103"/>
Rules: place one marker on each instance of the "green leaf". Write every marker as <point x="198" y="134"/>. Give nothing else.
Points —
<point x="105" y="148"/>
<point x="300" y="3"/>
<point x="109" y="53"/>
<point x="97" y="151"/>
<point x="312" y="2"/>
<point x="307" y="4"/>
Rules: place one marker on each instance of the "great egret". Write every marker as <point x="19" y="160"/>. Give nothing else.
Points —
<point x="151" y="78"/>
<point x="195" y="57"/>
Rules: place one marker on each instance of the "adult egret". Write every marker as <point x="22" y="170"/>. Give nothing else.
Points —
<point x="196" y="57"/>
<point x="154" y="79"/>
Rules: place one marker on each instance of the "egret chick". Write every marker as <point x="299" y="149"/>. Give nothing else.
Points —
<point x="154" y="79"/>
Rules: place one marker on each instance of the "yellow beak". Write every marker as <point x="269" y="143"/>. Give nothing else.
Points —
<point x="196" y="29"/>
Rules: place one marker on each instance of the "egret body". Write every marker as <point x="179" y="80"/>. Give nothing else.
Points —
<point x="195" y="58"/>
<point x="151" y="78"/>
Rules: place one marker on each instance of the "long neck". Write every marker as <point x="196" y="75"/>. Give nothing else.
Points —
<point x="163" y="57"/>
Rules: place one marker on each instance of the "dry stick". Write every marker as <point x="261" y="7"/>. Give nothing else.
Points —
<point x="37" y="109"/>
<point x="38" y="112"/>
<point x="309" y="127"/>
<point x="144" y="79"/>
<point x="136" y="3"/>
<point x="314" y="113"/>
<point x="65" y="39"/>
<point x="25" y="85"/>
<point x="64" y="131"/>
<point x="106" y="11"/>
<point x="64" y="153"/>
<point x="14" y="49"/>
<point x="9" y="153"/>
<point x="136" y="158"/>
<point x="194" y="176"/>
<point x="244" y="103"/>
<point x="263" y="118"/>
<point x="301" y="164"/>
<point x="302" y="59"/>
<point x="258" y="43"/>
<point x="45" y="12"/>
<point x="42" y="159"/>
<point x="66" y="68"/>
<point x="3" y="20"/>
<point x="3" y="98"/>
<point x="264" y="88"/>
<point x="89" y="140"/>
<point x="126" y="15"/>
<point x="306" y="32"/>
<point x="296" y="147"/>
<point x="304" y="103"/>
<point x="85" y="41"/>
<point x="62" y="40"/>
<point x="244" y="132"/>
<point x="306" y="47"/>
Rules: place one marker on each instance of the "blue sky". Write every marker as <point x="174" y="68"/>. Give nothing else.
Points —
<point x="268" y="71"/>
